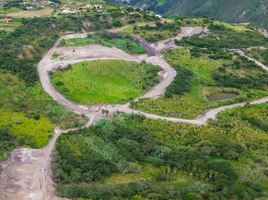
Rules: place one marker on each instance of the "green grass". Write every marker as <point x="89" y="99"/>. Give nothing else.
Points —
<point x="101" y="82"/>
<point x="193" y="103"/>
<point x="125" y="44"/>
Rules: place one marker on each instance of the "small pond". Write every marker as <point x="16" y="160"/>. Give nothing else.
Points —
<point x="218" y="96"/>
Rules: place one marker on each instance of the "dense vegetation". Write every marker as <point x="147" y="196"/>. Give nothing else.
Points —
<point x="213" y="71"/>
<point x="107" y="81"/>
<point x="135" y="158"/>
<point x="107" y="39"/>
<point x="224" y="37"/>
<point x="181" y="84"/>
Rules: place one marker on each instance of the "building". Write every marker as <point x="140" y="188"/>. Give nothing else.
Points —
<point x="98" y="7"/>
<point x="7" y="20"/>
<point x="69" y="10"/>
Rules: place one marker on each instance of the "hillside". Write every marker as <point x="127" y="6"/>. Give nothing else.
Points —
<point x="254" y="11"/>
<point x="103" y="101"/>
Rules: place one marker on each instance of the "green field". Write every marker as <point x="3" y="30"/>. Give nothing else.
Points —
<point x="211" y="73"/>
<point x="108" y="81"/>
<point x="123" y="43"/>
<point x="136" y="158"/>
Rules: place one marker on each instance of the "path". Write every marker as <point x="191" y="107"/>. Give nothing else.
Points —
<point x="242" y="53"/>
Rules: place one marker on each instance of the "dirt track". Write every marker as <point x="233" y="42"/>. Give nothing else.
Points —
<point x="27" y="173"/>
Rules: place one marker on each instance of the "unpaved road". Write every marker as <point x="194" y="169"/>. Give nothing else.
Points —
<point x="26" y="174"/>
<point x="242" y="53"/>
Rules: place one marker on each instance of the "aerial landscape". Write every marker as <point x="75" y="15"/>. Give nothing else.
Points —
<point x="133" y="99"/>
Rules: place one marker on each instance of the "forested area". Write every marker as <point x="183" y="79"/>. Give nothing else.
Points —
<point x="110" y="160"/>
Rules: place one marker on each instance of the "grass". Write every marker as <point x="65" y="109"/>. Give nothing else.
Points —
<point x="46" y="12"/>
<point x="125" y="44"/>
<point x="101" y="82"/>
<point x="193" y="103"/>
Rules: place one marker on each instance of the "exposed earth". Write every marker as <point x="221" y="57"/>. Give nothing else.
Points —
<point x="26" y="174"/>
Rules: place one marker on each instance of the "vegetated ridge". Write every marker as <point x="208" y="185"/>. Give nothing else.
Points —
<point x="254" y="11"/>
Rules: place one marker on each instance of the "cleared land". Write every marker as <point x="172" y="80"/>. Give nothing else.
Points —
<point x="103" y="82"/>
<point x="46" y="12"/>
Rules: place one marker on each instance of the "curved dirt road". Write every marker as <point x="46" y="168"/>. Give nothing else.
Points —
<point x="71" y="55"/>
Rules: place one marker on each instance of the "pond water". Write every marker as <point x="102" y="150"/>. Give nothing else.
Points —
<point x="221" y="96"/>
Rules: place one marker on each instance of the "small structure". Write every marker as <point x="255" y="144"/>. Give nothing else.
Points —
<point x="98" y="7"/>
<point x="7" y="20"/>
<point x="159" y="16"/>
<point x="69" y="10"/>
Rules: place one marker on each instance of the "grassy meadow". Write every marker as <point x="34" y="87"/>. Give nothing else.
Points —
<point x="105" y="82"/>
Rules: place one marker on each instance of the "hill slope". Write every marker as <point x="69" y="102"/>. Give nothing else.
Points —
<point x="255" y="11"/>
